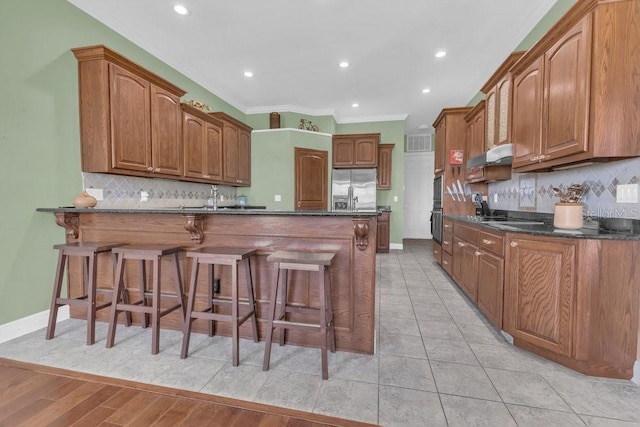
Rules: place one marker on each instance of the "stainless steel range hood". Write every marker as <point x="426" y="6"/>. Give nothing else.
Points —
<point x="498" y="156"/>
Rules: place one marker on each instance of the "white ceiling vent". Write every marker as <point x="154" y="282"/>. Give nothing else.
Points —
<point x="419" y="142"/>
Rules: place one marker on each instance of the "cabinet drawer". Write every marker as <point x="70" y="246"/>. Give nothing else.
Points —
<point x="447" y="226"/>
<point x="491" y="242"/>
<point x="437" y="253"/>
<point x="446" y="262"/>
<point x="467" y="233"/>
<point x="447" y="242"/>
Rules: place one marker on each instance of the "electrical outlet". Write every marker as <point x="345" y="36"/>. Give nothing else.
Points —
<point x="627" y="193"/>
<point x="395" y="198"/>
<point x="495" y="198"/>
<point x="144" y="196"/>
<point x="96" y="193"/>
<point x="278" y="198"/>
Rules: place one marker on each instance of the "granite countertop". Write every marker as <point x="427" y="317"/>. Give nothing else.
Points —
<point x="210" y="211"/>
<point x="542" y="225"/>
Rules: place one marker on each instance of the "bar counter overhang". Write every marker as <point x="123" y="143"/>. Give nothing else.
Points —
<point x="351" y="235"/>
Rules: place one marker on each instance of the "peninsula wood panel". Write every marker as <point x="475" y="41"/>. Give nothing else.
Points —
<point x="352" y="273"/>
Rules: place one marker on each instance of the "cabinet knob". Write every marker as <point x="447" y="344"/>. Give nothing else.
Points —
<point x="445" y="262"/>
<point x="478" y="253"/>
<point x="446" y="226"/>
<point x="513" y="244"/>
<point x="488" y="242"/>
<point x="150" y="169"/>
<point x="445" y="242"/>
<point x="206" y="176"/>
<point x="461" y="244"/>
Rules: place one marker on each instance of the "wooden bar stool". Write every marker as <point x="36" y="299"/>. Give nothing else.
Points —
<point x="88" y="252"/>
<point x="232" y="257"/>
<point x="305" y="261"/>
<point x="153" y="254"/>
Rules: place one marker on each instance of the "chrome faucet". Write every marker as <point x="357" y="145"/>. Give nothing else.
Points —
<point x="212" y="201"/>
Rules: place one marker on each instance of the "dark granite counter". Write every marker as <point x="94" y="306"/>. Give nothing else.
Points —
<point x="210" y="211"/>
<point x="542" y="225"/>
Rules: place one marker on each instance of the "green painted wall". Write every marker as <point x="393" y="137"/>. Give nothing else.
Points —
<point x="272" y="160"/>
<point x="390" y="133"/>
<point x="39" y="136"/>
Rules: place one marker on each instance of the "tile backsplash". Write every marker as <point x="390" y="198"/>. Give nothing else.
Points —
<point x="600" y="198"/>
<point x="121" y="191"/>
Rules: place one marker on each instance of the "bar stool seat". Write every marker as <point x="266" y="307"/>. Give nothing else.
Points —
<point x="319" y="262"/>
<point x="88" y="252"/>
<point x="232" y="257"/>
<point x="154" y="255"/>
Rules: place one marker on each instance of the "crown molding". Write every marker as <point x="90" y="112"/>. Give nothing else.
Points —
<point x="367" y="119"/>
<point x="290" y="108"/>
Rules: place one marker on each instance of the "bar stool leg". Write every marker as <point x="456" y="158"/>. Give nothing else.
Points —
<point x="332" y="335"/>
<point x="118" y="289"/>
<point x="155" y="316"/>
<point x="323" y="322"/>
<point x="282" y="314"/>
<point x="235" y="341"/>
<point x="91" y="299"/>
<point x="188" y="320"/>
<point x="178" y="282"/>
<point x="124" y="297"/>
<point x="57" y="288"/>
<point x="211" y="270"/>
<point x="142" y="286"/>
<point x="270" y="316"/>
<point x="252" y="301"/>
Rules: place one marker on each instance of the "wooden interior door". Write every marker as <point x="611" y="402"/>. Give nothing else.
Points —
<point x="311" y="177"/>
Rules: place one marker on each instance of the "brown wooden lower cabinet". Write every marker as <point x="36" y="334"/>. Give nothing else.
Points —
<point x="574" y="301"/>
<point x="384" y="233"/>
<point x="437" y="253"/>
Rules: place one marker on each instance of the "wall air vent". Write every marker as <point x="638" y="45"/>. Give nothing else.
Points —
<point x="421" y="142"/>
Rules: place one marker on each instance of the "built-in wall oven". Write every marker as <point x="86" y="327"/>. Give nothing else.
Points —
<point x="436" y="213"/>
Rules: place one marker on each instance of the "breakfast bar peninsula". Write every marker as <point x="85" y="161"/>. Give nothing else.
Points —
<point x="350" y="235"/>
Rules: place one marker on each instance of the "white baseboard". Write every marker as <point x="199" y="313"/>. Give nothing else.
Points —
<point x="636" y="372"/>
<point x="398" y="246"/>
<point x="17" y="328"/>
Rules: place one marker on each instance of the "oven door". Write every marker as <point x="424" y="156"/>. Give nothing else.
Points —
<point x="436" y="225"/>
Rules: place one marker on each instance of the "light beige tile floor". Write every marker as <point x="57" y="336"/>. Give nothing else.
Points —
<point x="438" y="362"/>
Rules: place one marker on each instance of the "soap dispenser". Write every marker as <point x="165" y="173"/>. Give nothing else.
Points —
<point x="212" y="201"/>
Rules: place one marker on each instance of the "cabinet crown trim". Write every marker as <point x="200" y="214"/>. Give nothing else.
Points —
<point x="502" y="71"/>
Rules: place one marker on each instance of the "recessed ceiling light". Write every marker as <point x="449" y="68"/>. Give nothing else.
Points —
<point x="355" y="105"/>
<point x="426" y="90"/>
<point x="180" y="9"/>
<point x="248" y="74"/>
<point x="441" y="53"/>
<point x="344" y="64"/>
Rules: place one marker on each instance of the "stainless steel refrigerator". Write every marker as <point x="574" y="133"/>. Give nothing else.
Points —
<point x="353" y="189"/>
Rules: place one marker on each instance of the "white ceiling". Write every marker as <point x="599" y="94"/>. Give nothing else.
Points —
<point x="294" y="48"/>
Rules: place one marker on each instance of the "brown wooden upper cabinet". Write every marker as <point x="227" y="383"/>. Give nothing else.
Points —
<point x="130" y="119"/>
<point x="356" y="150"/>
<point x="202" y="143"/>
<point x="385" y="158"/>
<point x="573" y="97"/>
<point x="236" y="151"/>
<point x="498" y="91"/>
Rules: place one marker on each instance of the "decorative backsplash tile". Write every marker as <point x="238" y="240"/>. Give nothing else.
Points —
<point x="121" y="191"/>
<point x="600" y="180"/>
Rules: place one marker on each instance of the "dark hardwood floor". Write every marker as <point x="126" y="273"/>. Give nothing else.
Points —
<point x="35" y="395"/>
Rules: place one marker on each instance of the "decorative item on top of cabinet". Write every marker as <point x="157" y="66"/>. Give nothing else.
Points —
<point x="384" y="166"/>
<point x="274" y="121"/>
<point x="307" y="125"/>
<point x="202" y="143"/>
<point x="383" y="232"/>
<point x="130" y="118"/>
<point x="573" y="100"/>
<point x="355" y="150"/>
<point x="498" y="90"/>
<point x="236" y="150"/>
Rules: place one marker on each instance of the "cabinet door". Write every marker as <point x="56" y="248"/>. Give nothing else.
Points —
<point x="384" y="166"/>
<point x="244" y="158"/>
<point x="465" y="266"/>
<point x="166" y="131"/>
<point x="491" y="287"/>
<point x="503" y="108"/>
<point x="343" y="152"/>
<point x="566" y="72"/>
<point x="194" y="150"/>
<point x="213" y="153"/>
<point x="527" y="115"/>
<point x="383" y="231"/>
<point x="130" y="120"/>
<point x="366" y="152"/>
<point x="540" y="292"/>
<point x="230" y="152"/>
<point x="438" y="160"/>
<point x="490" y="128"/>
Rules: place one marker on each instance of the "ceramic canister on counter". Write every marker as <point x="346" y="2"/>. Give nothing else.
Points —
<point x="242" y="200"/>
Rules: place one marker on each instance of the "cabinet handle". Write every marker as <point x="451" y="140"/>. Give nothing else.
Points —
<point x="488" y="242"/>
<point x="446" y="226"/>
<point x="478" y="253"/>
<point x="461" y="244"/>
<point x="445" y="242"/>
<point x="436" y="252"/>
<point x="445" y="262"/>
<point x="206" y="176"/>
<point x="513" y="244"/>
<point x="150" y="169"/>
<point x="156" y="170"/>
